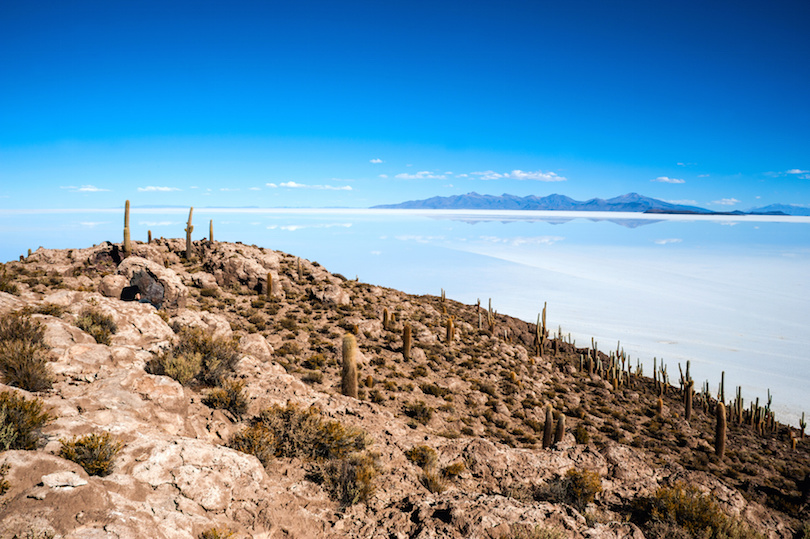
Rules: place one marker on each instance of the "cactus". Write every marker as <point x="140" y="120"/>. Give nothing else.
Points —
<point x="659" y="407"/>
<point x="189" y="230"/>
<point x="688" y="399"/>
<point x="548" y="428"/>
<point x="451" y="330"/>
<point x="802" y="424"/>
<point x="300" y="271"/>
<point x="29" y="252"/>
<point x="127" y="244"/>
<point x="269" y="291"/>
<point x="348" y="382"/>
<point x="720" y="431"/>
<point x="386" y="319"/>
<point x="211" y="230"/>
<point x="560" y="432"/>
<point x="149" y="236"/>
<point x="406" y="342"/>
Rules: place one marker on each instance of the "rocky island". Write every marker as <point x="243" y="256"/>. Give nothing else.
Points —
<point x="174" y="389"/>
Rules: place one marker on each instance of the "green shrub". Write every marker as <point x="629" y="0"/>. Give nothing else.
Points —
<point x="419" y="411"/>
<point x="348" y="480"/>
<point x="209" y="292"/>
<point x="24" y="365"/>
<point x="93" y="452"/>
<point x="216" y="533"/>
<point x="99" y="325"/>
<point x="422" y="455"/>
<point x="231" y="396"/>
<point x="673" y="510"/>
<point x="22" y="421"/>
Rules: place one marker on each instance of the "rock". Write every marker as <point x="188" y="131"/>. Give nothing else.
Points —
<point x="202" y="279"/>
<point x="112" y="285"/>
<point x="332" y="295"/>
<point x="63" y="480"/>
<point x="215" y="325"/>
<point x="161" y="286"/>
<point x="257" y="346"/>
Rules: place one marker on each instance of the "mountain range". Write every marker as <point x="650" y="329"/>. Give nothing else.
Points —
<point x="631" y="202"/>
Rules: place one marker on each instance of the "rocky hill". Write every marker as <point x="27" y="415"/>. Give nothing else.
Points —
<point x="466" y="422"/>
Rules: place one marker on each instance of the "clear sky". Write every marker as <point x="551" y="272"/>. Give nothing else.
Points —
<point x="329" y="103"/>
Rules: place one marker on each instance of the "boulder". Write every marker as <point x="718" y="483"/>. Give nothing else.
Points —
<point x="161" y="286"/>
<point x="112" y="285"/>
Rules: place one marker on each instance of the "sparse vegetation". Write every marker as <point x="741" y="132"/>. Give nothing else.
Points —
<point x="93" y="452"/>
<point x="7" y="283"/>
<point x="22" y="421"/>
<point x="231" y="396"/>
<point x="684" y="511"/>
<point x="100" y="326"/>
<point x="197" y="356"/>
<point x="216" y="533"/>
<point x="348" y="480"/>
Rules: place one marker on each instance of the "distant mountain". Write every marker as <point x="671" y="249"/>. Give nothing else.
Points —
<point x="787" y="209"/>
<point x="631" y="202"/>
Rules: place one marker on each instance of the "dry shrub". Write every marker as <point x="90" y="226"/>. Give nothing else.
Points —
<point x="582" y="487"/>
<point x="291" y="431"/>
<point x="231" y="396"/>
<point x="432" y="480"/>
<point x="25" y="365"/>
<point x="7" y="283"/>
<point x="93" y="452"/>
<point x="684" y="511"/>
<point x="419" y="411"/>
<point x="216" y="533"/>
<point x="16" y="327"/>
<point x="4" y="484"/>
<point x="21" y="421"/>
<point x="452" y="471"/>
<point x="197" y="356"/>
<point x="422" y="455"/>
<point x="348" y="480"/>
<point x="99" y="325"/>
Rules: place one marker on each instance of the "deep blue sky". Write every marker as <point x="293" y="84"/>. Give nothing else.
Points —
<point x="360" y="103"/>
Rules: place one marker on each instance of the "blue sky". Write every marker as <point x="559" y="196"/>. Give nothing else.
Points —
<point x="359" y="103"/>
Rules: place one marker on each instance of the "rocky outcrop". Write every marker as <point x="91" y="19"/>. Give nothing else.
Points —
<point x="160" y="286"/>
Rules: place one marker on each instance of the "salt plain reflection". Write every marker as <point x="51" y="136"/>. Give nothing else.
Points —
<point x="728" y="293"/>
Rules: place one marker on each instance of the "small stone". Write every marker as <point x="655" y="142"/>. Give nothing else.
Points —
<point x="63" y="480"/>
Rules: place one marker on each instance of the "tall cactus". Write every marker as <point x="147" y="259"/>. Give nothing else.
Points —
<point x="189" y="230"/>
<point x="348" y="382"/>
<point x="688" y="400"/>
<point x="386" y="320"/>
<point x="548" y="428"/>
<point x="451" y="330"/>
<point x="269" y="291"/>
<point x="406" y="342"/>
<point x="149" y="236"/>
<point x="211" y="231"/>
<point x="560" y="432"/>
<point x="720" y="431"/>
<point x="127" y="244"/>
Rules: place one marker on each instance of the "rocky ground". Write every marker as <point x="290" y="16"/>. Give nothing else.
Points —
<point x="478" y="399"/>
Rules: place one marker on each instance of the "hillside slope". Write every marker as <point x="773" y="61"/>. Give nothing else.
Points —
<point x="455" y="430"/>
